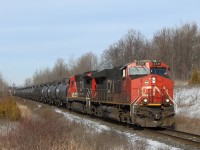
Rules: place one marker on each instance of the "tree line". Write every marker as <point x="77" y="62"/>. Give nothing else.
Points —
<point x="61" y="69"/>
<point x="178" y="46"/>
<point x="3" y="86"/>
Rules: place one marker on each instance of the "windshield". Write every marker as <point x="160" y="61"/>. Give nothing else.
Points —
<point x="138" y="71"/>
<point x="159" y="71"/>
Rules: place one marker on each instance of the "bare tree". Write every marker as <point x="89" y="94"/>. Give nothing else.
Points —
<point x="42" y="76"/>
<point x="180" y="48"/>
<point x="60" y="70"/>
<point x="129" y="48"/>
<point x="28" y="82"/>
<point x="86" y="62"/>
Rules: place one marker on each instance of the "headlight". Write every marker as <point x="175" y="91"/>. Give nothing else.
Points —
<point x="145" y="100"/>
<point x="167" y="100"/>
<point x="153" y="80"/>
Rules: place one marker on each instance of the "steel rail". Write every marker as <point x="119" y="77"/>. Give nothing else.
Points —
<point x="184" y="137"/>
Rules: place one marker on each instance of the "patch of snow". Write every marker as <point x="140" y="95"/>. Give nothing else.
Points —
<point x="152" y="145"/>
<point x="38" y="107"/>
<point x="188" y="101"/>
<point x="98" y="127"/>
<point x="7" y="126"/>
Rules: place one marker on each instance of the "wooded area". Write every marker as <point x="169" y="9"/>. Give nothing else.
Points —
<point x="179" y="47"/>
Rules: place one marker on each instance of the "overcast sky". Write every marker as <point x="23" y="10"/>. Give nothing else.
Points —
<point x="33" y="34"/>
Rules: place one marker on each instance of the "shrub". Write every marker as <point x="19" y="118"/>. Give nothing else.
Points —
<point x="9" y="109"/>
<point x="195" y="79"/>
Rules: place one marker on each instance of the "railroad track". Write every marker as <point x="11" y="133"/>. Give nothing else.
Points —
<point x="187" y="139"/>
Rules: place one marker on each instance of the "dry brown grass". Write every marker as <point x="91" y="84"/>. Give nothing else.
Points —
<point x="195" y="78"/>
<point x="179" y="83"/>
<point x="187" y="124"/>
<point x="59" y="135"/>
<point x="25" y="111"/>
<point x="50" y="130"/>
<point x="9" y="109"/>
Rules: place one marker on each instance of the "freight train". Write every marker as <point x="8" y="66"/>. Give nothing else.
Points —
<point x="140" y="93"/>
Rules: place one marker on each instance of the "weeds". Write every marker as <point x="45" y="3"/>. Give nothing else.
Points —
<point x="195" y="79"/>
<point x="187" y="124"/>
<point x="9" y="109"/>
<point x="60" y="134"/>
<point x="50" y="130"/>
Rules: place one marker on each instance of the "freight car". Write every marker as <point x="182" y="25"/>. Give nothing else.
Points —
<point x="140" y="92"/>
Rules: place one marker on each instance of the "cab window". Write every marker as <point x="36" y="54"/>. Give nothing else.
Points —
<point x="159" y="71"/>
<point x="138" y="71"/>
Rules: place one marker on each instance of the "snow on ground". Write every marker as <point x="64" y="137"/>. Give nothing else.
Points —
<point x="152" y="145"/>
<point x="96" y="126"/>
<point x="7" y="126"/>
<point x="188" y="101"/>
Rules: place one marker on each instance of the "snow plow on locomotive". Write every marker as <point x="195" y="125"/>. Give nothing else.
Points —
<point x="140" y="92"/>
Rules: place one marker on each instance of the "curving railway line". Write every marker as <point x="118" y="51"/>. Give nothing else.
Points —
<point x="188" y="139"/>
<point x="174" y="137"/>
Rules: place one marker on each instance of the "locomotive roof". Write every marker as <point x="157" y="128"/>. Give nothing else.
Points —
<point x="107" y="73"/>
<point x="142" y="63"/>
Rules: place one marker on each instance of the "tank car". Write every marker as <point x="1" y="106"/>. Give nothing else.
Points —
<point x="37" y="94"/>
<point x="45" y="92"/>
<point x="61" y="92"/>
<point x="52" y="92"/>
